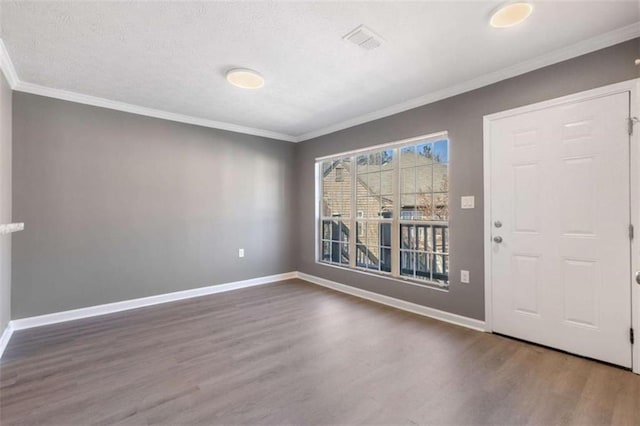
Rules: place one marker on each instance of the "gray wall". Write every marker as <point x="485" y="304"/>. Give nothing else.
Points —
<point x="119" y="206"/>
<point x="5" y="201"/>
<point x="462" y="117"/>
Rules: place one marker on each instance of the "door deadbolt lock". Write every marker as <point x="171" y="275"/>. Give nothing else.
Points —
<point x="638" y="277"/>
<point x="497" y="224"/>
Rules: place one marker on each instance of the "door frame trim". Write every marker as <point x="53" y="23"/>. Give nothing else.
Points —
<point x="631" y="86"/>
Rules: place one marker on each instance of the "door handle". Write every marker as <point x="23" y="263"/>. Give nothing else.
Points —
<point x="638" y="277"/>
<point x="498" y="239"/>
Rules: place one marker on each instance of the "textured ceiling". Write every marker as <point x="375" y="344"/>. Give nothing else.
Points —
<point x="172" y="56"/>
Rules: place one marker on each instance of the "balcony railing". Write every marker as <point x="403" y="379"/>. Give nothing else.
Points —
<point x="424" y="252"/>
<point x="424" y="249"/>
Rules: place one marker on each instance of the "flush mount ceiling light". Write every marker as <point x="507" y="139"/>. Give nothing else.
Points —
<point x="510" y="14"/>
<point x="245" y="78"/>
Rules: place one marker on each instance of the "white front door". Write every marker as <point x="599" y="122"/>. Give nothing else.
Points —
<point x="561" y="275"/>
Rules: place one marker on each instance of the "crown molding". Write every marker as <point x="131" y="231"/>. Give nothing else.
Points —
<point x="21" y="86"/>
<point x="581" y="48"/>
<point x="149" y="112"/>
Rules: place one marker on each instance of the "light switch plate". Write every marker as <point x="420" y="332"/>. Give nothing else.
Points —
<point x="468" y="202"/>
<point x="240" y="252"/>
<point x="464" y="277"/>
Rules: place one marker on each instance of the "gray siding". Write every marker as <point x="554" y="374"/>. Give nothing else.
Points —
<point x="120" y="206"/>
<point x="462" y="117"/>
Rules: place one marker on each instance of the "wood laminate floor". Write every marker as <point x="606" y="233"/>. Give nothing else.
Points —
<point x="295" y="353"/>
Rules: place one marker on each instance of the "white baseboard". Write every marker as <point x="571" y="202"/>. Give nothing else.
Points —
<point x="92" y="311"/>
<point x="4" y="339"/>
<point x="397" y="303"/>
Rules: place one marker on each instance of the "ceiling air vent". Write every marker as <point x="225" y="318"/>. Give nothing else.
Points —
<point x="364" y="37"/>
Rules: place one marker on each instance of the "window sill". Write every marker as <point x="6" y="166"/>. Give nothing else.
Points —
<point x="430" y="285"/>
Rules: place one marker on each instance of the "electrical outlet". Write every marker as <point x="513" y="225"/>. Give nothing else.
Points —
<point x="464" y="277"/>
<point x="240" y="252"/>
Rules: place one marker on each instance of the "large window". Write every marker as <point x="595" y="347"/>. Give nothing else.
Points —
<point x="386" y="210"/>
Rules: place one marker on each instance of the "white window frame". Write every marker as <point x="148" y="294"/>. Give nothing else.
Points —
<point x="395" y="221"/>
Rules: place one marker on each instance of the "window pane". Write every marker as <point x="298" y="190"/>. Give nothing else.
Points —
<point x="385" y="260"/>
<point x="387" y="159"/>
<point x="344" y="258"/>
<point x="407" y="237"/>
<point x="430" y="233"/>
<point x="373" y="235"/>
<point x="326" y="250"/>
<point x="424" y="204"/>
<point x="327" y="206"/>
<point x="374" y="258"/>
<point x="362" y="231"/>
<point x="421" y="237"/>
<point x="404" y="236"/>
<point x="374" y="184"/>
<point x="441" y="151"/>
<point x="375" y="161"/>
<point x="445" y="244"/>
<point x="362" y="161"/>
<point x="408" y="156"/>
<point x="336" y="188"/>
<point x="385" y="234"/>
<point x="440" y="178"/>
<point x="335" y="230"/>
<point x="345" y="188"/>
<point x="424" y="179"/>
<point x="339" y="231"/>
<point x="408" y="202"/>
<point x="372" y="207"/>
<point x="386" y="185"/>
<point x="441" y="268"/>
<point x="422" y="266"/>
<point x="326" y="230"/>
<point x="424" y="153"/>
<point x="407" y="263"/>
<point x="344" y="232"/>
<point x="361" y="255"/>
<point x="335" y="252"/>
<point x="441" y="243"/>
<point x="441" y="206"/>
<point x="386" y="211"/>
<point x="408" y="180"/>
<point x="367" y="256"/>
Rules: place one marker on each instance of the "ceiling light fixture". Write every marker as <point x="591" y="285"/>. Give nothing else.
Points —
<point x="245" y="78"/>
<point x="510" y="14"/>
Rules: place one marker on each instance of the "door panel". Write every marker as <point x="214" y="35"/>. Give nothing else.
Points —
<point x="560" y="188"/>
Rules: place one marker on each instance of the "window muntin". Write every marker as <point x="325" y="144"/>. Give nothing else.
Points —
<point x="335" y="242"/>
<point x="397" y="200"/>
